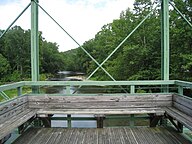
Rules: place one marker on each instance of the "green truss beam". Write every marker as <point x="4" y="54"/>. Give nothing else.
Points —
<point x="165" y="40"/>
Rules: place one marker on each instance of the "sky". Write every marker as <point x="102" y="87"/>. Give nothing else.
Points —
<point x="82" y="19"/>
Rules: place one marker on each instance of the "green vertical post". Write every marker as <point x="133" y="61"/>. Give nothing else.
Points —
<point x="19" y="91"/>
<point x="165" y="42"/>
<point x="132" y="120"/>
<point x="68" y="90"/>
<point x="34" y="44"/>
<point x="180" y="90"/>
<point x="68" y="121"/>
<point x="132" y="89"/>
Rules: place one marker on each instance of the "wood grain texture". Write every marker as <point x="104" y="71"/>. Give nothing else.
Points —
<point x="123" y="135"/>
<point x="11" y="105"/>
<point x="152" y="97"/>
<point x="158" y="111"/>
<point x="183" y="104"/>
<point x="10" y="124"/>
<point x="99" y="102"/>
<point x="180" y="116"/>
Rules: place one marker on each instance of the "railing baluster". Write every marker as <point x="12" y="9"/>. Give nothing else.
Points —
<point x="132" y="89"/>
<point x="19" y="91"/>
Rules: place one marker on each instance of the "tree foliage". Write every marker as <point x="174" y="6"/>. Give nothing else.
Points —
<point x="15" y="55"/>
<point x="138" y="58"/>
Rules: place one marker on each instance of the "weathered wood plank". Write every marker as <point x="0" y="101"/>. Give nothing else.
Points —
<point x="183" y="108"/>
<point x="130" y="98"/>
<point x="99" y="105"/>
<point x="15" y="121"/>
<point x="158" y="111"/>
<point x="186" y="102"/>
<point x="102" y="136"/>
<point x="12" y="112"/>
<point x="179" y="116"/>
<point x="12" y="104"/>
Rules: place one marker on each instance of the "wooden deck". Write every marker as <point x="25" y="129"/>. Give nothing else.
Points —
<point x="126" y="135"/>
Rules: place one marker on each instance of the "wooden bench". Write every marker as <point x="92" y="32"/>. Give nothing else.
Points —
<point x="181" y="111"/>
<point x="18" y="111"/>
<point x="151" y="104"/>
<point x="13" y="114"/>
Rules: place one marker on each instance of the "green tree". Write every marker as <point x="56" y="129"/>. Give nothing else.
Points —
<point x="4" y="66"/>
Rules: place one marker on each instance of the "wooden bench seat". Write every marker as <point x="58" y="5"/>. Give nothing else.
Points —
<point x="157" y="111"/>
<point x="100" y="106"/>
<point x="17" y="120"/>
<point x="181" y="111"/>
<point x="13" y="114"/>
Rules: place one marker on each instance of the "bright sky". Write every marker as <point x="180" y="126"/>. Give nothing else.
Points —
<point x="80" y="18"/>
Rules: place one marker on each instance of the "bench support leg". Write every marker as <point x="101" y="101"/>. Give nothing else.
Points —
<point x="154" y="119"/>
<point x="99" y="119"/>
<point x="24" y="126"/>
<point x="69" y="121"/>
<point x="46" y="121"/>
<point x="180" y="127"/>
<point x="177" y="125"/>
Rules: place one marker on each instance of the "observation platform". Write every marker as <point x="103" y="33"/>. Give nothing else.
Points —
<point x="32" y="113"/>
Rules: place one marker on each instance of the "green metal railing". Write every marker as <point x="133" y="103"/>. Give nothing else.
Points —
<point x="130" y="86"/>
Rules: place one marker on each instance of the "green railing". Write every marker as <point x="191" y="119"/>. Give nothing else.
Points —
<point x="131" y="87"/>
<point x="175" y="86"/>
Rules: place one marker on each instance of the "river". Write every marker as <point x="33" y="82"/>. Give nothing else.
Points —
<point x="69" y="76"/>
<point x="112" y="121"/>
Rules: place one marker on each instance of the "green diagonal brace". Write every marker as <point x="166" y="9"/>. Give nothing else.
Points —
<point x="15" y="20"/>
<point x="180" y="14"/>
<point x="75" y="41"/>
<point x="121" y="43"/>
<point x="4" y="95"/>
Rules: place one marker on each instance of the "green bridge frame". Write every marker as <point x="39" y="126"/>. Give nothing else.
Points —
<point x="165" y="53"/>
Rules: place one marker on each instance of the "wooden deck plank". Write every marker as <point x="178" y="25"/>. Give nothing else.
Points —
<point x="124" y="135"/>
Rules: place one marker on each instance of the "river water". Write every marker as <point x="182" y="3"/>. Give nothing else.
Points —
<point x="67" y="75"/>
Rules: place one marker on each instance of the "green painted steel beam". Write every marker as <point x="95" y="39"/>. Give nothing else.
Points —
<point x="34" y="41"/>
<point x="34" y="44"/>
<point x="90" y="56"/>
<point x="132" y="89"/>
<point x="11" y="86"/>
<point x="15" y="20"/>
<point x="165" y="40"/>
<point x="97" y="83"/>
<point x="124" y="40"/>
<point x="6" y="97"/>
<point x="183" y="83"/>
<point x="178" y="11"/>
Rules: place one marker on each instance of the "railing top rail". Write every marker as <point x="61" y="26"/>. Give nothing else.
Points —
<point x="183" y="83"/>
<point x="95" y="83"/>
<point x="99" y="83"/>
<point x="12" y="86"/>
